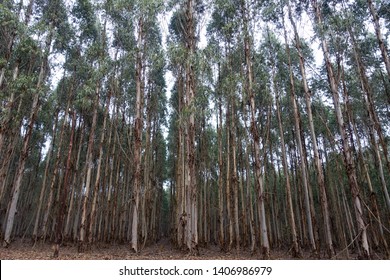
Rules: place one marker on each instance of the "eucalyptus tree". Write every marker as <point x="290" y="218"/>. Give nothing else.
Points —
<point x="320" y="175"/>
<point x="91" y="37"/>
<point x="19" y="62"/>
<point x="346" y="145"/>
<point x="298" y="129"/>
<point x="51" y="15"/>
<point x="378" y="32"/>
<point x="245" y="15"/>
<point x="190" y="93"/>
<point x="12" y="25"/>
<point x="274" y="46"/>
<point x="145" y="14"/>
<point x="176" y="127"/>
<point x="154" y="146"/>
<point x="223" y="29"/>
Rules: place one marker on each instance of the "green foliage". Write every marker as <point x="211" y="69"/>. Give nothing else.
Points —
<point x="84" y="13"/>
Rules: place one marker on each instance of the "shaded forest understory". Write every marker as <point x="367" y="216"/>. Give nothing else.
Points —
<point x="194" y="129"/>
<point x="162" y="250"/>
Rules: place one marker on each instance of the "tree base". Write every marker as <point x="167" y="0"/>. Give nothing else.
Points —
<point x="56" y="251"/>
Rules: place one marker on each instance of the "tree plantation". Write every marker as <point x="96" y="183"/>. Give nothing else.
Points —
<point x="248" y="125"/>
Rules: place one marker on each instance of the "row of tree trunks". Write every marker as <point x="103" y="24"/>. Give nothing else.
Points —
<point x="255" y="134"/>
<point x="320" y="175"/>
<point x="296" y="247"/>
<point x="26" y="141"/>
<point x="348" y="160"/>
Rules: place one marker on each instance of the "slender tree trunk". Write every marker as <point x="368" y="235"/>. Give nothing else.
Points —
<point x="374" y="123"/>
<point x="296" y="248"/>
<point x="220" y="179"/>
<point x="309" y="214"/>
<point x="26" y="141"/>
<point x="45" y="176"/>
<point x="379" y="36"/>
<point x="234" y="177"/>
<point x="192" y="193"/>
<point x="89" y="167"/>
<point x="6" y="123"/>
<point x="320" y="174"/>
<point x="98" y="171"/>
<point x="180" y="187"/>
<point x="138" y="139"/>
<point x="255" y="135"/>
<point x="64" y="193"/>
<point x="54" y="178"/>
<point x="73" y="186"/>
<point x="348" y="159"/>
<point x="9" y="129"/>
<point x="229" y="219"/>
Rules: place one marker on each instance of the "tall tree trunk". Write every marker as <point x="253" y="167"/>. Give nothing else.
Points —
<point x="220" y="178"/>
<point x="137" y="138"/>
<point x="229" y="219"/>
<point x="255" y="135"/>
<point x="308" y="202"/>
<point x="374" y="124"/>
<point x="348" y="159"/>
<point x="296" y="248"/>
<point x="26" y="141"/>
<point x="235" y="185"/>
<point x="98" y="171"/>
<point x="180" y="173"/>
<point x="64" y="192"/>
<point x="89" y="167"/>
<point x="54" y="179"/>
<point x="73" y="185"/>
<point x="9" y="129"/>
<point x="45" y="176"/>
<point x="320" y="174"/>
<point x="6" y="123"/>
<point x="379" y="36"/>
<point x="192" y="193"/>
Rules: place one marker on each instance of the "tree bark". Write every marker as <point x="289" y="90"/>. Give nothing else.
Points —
<point x="64" y="193"/>
<point x="255" y="135"/>
<point x="137" y="138"/>
<point x="379" y="36"/>
<point x="296" y="248"/>
<point x="348" y="159"/>
<point x="320" y="174"/>
<point x="26" y="141"/>
<point x="89" y="167"/>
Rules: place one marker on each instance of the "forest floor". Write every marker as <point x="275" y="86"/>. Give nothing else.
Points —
<point x="162" y="250"/>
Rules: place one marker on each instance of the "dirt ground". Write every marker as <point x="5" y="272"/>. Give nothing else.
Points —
<point x="163" y="250"/>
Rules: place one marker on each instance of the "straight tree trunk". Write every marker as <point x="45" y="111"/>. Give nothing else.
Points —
<point x="374" y="123"/>
<point x="308" y="207"/>
<point x="12" y="135"/>
<point x="45" y="176"/>
<point x="89" y="167"/>
<point x="220" y="179"/>
<point x="348" y="159"/>
<point x="379" y="36"/>
<point x="137" y="139"/>
<point x="67" y="230"/>
<point x="229" y="219"/>
<point x="255" y="135"/>
<point x="192" y="193"/>
<point x="320" y="174"/>
<point x="54" y="178"/>
<point x="98" y="171"/>
<point x="26" y="142"/>
<point x="64" y="193"/>
<point x="296" y="248"/>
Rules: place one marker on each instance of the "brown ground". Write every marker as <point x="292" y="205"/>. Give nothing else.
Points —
<point x="163" y="250"/>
